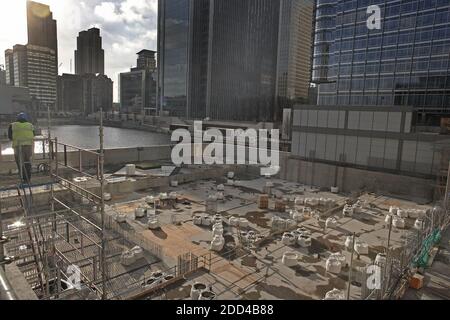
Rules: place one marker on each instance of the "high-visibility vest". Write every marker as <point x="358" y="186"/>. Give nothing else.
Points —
<point x="22" y="134"/>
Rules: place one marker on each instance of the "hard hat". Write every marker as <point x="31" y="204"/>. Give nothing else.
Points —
<point x="22" y="116"/>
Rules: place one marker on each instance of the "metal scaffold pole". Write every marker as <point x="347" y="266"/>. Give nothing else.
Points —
<point x="50" y="167"/>
<point x="351" y="267"/>
<point x="2" y="239"/>
<point x="102" y="207"/>
<point x="447" y="191"/>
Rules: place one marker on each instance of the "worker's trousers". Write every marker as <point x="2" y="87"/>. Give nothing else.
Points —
<point x="23" y="155"/>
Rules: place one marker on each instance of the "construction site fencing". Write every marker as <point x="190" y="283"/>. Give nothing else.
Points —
<point x="413" y="254"/>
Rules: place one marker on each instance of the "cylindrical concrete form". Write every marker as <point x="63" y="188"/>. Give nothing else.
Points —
<point x="290" y="259"/>
<point x="130" y="169"/>
<point x="196" y="289"/>
<point x="333" y="265"/>
<point x="398" y="222"/>
<point x="335" y="294"/>
<point x="217" y="243"/>
<point x="361" y="247"/>
<point x="139" y="213"/>
<point x="207" y="295"/>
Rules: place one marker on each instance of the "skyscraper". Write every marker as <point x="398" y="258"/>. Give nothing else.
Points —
<point x="9" y="67"/>
<point x="405" y="63"/>
<point x="146" y="60"/>
<point x="219" y="58"/>
<point x="89" y="56"/>
<point x="138" y="87"/>
<point x="42" y="30"/>
<point x="2" y="75"/>
<point x="33" y="67"/>
<point x="294" y="49"/>
<point x="242" y="60"/>
<point x="173" y="34"/>
<point x="85" y="93"/>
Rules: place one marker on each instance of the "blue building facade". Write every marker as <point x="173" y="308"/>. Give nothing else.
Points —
<point x="404" y="63"/>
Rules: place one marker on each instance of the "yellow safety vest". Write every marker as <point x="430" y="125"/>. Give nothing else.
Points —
<point x="22" y="134"/>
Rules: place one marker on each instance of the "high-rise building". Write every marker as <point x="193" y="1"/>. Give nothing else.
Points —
<point x="294" y="49"/>
<point x="89" y="56"/>
<point x="19" y="66"/>
<point x="404" y="63"/>
<point x="34" y="67"/>
<point x="146" y="60"/>
<point x="9" y="67"/>
<point x="2" y="75"/>
<point x="138" y="87"/>
<point x="42" y="30"/>
<point x="98" y="94"/>
<point x="242" y="63"/>
<point x="219" y="58"/>
<point x="70" y="93"/>
<point x="87" y="93"/>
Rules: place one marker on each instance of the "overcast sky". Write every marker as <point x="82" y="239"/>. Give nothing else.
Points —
<point x="126" y="26"/>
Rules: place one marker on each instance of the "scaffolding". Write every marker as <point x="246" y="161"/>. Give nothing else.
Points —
<point x="73" y="238"/>
<point x="67" y="242"/>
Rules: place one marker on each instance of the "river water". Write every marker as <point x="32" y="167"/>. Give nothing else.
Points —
<point x="87" y="137"/>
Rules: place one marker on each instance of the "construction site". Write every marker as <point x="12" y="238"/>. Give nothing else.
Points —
<point x="107" y="224"/>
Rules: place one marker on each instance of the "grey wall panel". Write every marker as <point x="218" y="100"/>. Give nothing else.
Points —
<point x="408" y="120"/>
<point x="321" y="141"/>
<point x="353" y="120"/>
<point x="296" y="117"/>
<point x="408" y="156"/>
<point x="350" y="149"/>
<point x="310" y="143"/>
<point x="340" y="147"/>
<point x="312" y="118"/>
<point x="295" y="143"/>
<point x="377" y="152"/>
<point x="333" y="117"/>
<point x="366" y="120"/>
<point x="394" y="122"/>
<point x="342" y="119"/>
<point x="322" y="120"/>
<point x="363" y="151"/>
<point x="424" y="157"/>
<point x="302" y="145"/>
<point x="380" y="120"/>
<point x="304" y="118"/>
<point x="391" y="154"/>
<point x="330" y="152"/>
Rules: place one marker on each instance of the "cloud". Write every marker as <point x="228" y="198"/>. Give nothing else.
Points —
<point x="128" y="11"/>
<point x="126" y="26"/>
<point x="107" y="11"/>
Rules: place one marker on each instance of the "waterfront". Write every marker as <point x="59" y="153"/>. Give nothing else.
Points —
<point x="87" y="137"/>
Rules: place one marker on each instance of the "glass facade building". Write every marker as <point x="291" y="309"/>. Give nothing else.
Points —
<point x="173" y="34"/>
<point x="42" y="28"/>
<point x="294" y="48"/>
<point x="219" y="58"/>
<point x="242" y="60"/>
<point x="138" y="88"/>
<point x="405" y="63"/>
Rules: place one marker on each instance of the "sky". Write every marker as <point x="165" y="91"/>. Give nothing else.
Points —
<point x="126" y="26"/>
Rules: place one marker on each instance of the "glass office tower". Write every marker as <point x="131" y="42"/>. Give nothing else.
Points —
<point x="173" y="34"/>
<point x="231" y="59"/>
<point x="406" y="62"/>
<point x="217" y="58"/>
<point x="242" y="64"/>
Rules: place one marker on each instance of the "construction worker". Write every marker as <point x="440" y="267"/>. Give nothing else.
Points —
<point x="22" y="133"/>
